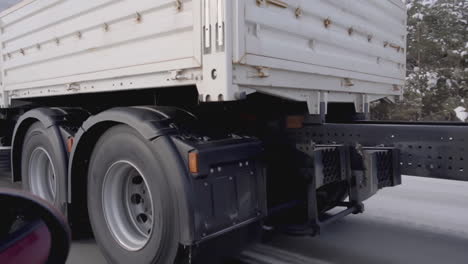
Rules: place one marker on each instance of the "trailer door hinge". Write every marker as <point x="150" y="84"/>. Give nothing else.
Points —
<point x="262" y="72"/>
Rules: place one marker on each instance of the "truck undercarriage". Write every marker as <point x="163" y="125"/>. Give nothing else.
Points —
<point x="231" y="167"/>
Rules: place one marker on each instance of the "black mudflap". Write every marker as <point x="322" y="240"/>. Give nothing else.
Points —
<point x="229" y="186"/>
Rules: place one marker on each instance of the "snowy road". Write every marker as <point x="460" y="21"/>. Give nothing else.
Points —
<point x="422" y="221"/>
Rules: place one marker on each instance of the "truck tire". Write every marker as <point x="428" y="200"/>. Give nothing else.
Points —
<point x="41" y="169"/>
<point x="129" y="200"/>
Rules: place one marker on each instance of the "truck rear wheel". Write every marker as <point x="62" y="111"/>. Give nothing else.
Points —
<point x="41" y="172"/>
<point x="129" y="200"/>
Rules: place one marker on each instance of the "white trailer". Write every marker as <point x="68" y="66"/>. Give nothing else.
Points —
<point x="336" y="51"/>
<point x="167" y="125"/>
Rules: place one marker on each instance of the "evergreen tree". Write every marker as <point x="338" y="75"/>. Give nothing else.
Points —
<point x="437" y="81"/>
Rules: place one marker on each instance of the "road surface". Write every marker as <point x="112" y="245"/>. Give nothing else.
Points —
<point x="422" y="221"/>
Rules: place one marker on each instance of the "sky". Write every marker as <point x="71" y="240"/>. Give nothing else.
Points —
<point x="7" y="3"/>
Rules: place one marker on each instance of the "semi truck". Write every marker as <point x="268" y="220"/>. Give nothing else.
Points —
<point x="165" y="125"/>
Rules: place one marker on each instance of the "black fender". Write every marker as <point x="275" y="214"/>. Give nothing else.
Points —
<point x="155" y="124"/>
<point x="52" y="119"/>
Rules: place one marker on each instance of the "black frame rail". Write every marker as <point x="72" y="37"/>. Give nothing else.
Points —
<point x="435" y="150"/>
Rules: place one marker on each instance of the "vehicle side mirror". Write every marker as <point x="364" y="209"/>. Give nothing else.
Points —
<point x="32" y="231"/>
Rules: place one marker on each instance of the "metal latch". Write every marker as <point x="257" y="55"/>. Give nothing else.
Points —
<point x="178" y="5"/>
<point x="220" y="25"/>
<point x="73" y="87"/>
<point x="347" y="82"/>
<point x="177" y="75"/>
<point x="262" y="72"/>
<point x="207" y="27"/>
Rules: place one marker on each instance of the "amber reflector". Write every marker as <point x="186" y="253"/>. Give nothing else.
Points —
<point x="294" y="121"/>
<point x="70" y="142"/>
<point x="193" y="162"/>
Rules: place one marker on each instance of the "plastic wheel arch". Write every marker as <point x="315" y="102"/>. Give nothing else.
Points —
<point x="52" y="119"/>
<point x="49" y="117"/>
<point x="154" y="125"/>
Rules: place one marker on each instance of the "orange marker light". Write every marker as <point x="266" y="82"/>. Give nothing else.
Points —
<point x="193" y="162"/>
<point x="295" y="121"/>
<point x="70" y="142"/>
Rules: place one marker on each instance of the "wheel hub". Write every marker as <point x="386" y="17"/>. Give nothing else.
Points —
<point x="128" y="205"/>
<point x="42" y="176"/>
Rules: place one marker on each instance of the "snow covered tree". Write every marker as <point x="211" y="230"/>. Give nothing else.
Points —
<point x="437" y="65"/>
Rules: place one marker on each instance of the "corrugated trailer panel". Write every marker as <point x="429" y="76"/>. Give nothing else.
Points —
<point x="354" y="46"/>
<point x="330" y="34"/>
<point x="53" y="42"/>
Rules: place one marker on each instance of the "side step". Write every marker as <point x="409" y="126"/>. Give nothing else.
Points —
<point x="364" y="170"/>
<point x="373" y="168"/>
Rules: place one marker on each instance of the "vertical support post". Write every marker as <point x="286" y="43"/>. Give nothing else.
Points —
<point x="362" y="105"/>
<point x="217" y="84"/>
<point x="317" y="103"/>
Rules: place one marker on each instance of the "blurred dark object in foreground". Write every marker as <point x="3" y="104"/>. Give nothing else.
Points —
<point x="31" y="230"/>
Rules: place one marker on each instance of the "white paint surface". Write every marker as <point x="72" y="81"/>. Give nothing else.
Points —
<point x="305" y="50"/>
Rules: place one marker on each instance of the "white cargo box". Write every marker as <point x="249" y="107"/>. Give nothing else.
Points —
<point x="307" y="50"/>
